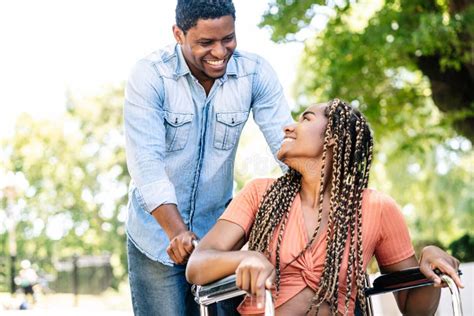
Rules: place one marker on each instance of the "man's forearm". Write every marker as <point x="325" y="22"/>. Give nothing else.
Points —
<point x="167" y="215"/>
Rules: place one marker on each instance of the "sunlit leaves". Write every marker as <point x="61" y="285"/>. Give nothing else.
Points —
<point x="77" y="180"/>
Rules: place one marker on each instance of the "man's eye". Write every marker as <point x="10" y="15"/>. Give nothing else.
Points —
<point x="229" y="39"/>
<point x="205" y="43"/>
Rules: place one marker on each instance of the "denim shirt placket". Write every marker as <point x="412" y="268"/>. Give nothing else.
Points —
<point x="202" y="139"/>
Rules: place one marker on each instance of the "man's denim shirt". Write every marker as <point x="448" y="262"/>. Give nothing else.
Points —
<point x="181" y="144"/>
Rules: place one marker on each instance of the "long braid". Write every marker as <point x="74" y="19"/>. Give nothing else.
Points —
<point x="352" y="158"/>
<point x="337" y="232"/>
<point x="274" y="208"/>
<point x="348" y="224"/>
<point x="360" y="273"/>
<point x="354" y="197"/>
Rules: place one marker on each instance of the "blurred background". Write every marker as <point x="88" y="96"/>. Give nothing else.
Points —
<point x="407" y="64"/>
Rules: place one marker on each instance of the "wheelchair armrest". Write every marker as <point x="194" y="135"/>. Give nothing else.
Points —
<point x="224" y="285"/>
<point x="224" y="289"/>
<point x="400" y="280"/>
<point x="217" y="291"/>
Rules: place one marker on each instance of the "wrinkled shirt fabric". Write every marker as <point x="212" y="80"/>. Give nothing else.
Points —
<point x="181" y="143"/>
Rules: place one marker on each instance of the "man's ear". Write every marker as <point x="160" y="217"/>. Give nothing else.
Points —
<point x="178" y="34"/>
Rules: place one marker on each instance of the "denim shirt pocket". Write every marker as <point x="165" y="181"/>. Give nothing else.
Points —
<point x="177" y="126"/>
<point x="228" y="128"/>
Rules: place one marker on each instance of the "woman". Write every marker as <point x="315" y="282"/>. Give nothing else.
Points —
<point x="312" y="232"/>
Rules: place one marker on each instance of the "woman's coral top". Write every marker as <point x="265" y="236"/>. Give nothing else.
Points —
<point x="384" y="234"/>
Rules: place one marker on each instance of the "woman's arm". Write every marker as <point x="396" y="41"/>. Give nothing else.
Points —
<point x="394" y="252"/>
<point x="424" y="300"/>
<point x="217" y="256"/>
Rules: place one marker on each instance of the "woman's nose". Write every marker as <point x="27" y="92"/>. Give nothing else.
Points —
<point x="289" y="128"/>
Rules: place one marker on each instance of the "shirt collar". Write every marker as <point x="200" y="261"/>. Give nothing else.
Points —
<point x="181" y="66"/>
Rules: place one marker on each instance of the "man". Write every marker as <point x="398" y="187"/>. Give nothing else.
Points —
<point x="27" y="278"/>
<point x="185" y="107"/>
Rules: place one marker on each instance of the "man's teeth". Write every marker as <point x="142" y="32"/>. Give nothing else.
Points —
<point x="288" y="140"/>
<point x="215" y="62"/>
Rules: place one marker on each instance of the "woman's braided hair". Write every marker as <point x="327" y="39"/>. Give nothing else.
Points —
<point x="352" y="156"/>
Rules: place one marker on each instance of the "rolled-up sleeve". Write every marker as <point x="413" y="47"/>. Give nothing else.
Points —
<point x="270" y="109"/>
<point x="145" y="136"/>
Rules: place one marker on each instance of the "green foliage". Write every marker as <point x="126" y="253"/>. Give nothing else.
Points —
<point x="75" y="201"/>
<point x="287" y="17"/>
<point x="373" y="56"/>
<point x="378" y="55"/>
<point x="463" y="248"/>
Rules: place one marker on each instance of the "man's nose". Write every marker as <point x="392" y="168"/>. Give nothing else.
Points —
<point x="219" y="51"/>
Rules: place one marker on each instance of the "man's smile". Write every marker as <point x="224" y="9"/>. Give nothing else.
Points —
<point x="217" y="62"/>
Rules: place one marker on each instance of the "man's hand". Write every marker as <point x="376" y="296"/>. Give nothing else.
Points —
<point x="181" y="246"/>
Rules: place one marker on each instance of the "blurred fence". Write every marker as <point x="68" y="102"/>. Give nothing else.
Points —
<point x="4" y="274"/>
<point x="83" y="275"/>
<point x="77" y="275"/>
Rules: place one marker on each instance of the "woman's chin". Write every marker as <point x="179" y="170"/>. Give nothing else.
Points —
<point x="280" y="156"/>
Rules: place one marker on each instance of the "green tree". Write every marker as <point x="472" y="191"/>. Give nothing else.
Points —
<point x="409" y="66"/>
<point x="371" y="57"/>
<point x="75" y="202"/>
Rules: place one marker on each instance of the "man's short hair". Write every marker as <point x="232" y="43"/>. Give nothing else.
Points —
<point x="188" y="12"/>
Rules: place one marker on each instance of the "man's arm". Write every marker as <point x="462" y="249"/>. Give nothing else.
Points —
<point x="181" y="239"/>
<point x="269" y="107"/>
<point x="145" y="148"/>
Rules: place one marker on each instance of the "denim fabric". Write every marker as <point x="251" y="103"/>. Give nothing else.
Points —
<point x="181" y="144"/>
<point x="158" y="289"/>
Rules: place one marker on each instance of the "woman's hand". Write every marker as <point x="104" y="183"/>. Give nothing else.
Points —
<point x="254" y="274"/>
<point x="433" y="257"/>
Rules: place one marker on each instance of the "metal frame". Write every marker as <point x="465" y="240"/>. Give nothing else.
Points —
<point x="409" y="279"/>
<point x="225" y="288"/>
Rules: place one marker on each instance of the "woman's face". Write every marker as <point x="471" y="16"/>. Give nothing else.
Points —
<point x="304" y="140"/>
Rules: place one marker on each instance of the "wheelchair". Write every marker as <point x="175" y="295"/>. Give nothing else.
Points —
<point x="225" y="288"/>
